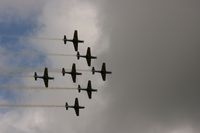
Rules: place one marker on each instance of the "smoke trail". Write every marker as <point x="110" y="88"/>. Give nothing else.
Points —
<point x="30" y="105"/>
<point x="22" y="70"/>
<point x="58" y="70"/>
<point x="28" y="37"/>
<point x="84" y="70"/>
<point x="35" y="54"/>
<point x="10" y="36"/>
<point x="29" y="72"/>
<point x="11" y="75"/>
<point x="13" y="87"/>
<point x="19" y="70"/>
<point x="54" y="54"/>
<point x="45" y="38"/>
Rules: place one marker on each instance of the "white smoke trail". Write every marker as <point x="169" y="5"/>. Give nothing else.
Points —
<point x="28" y="38"/>
<point x="24" y="72"/>
<point x="54" y="54"/>
<point x="6" y="105"/>
<point x="44" y="38"/>
<point x="13" y="87"/>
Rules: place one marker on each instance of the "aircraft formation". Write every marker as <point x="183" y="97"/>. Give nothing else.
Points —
<point x="74" y="72"/>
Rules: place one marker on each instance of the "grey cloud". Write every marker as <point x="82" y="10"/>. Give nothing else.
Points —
<point x="154" y="55"/>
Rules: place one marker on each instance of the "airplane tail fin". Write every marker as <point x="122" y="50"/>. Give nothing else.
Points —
<point x="79" y="88"/>
<point x="35" y="76"/>
<point x="78" y="55"/>
<point x="66" y="106"/>
<point x="63" y="71"/>
<point x="93" y="70"/>
<point x="65" y="39"/>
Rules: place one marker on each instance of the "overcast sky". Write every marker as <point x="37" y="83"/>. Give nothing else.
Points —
<point x="151" y="46"/>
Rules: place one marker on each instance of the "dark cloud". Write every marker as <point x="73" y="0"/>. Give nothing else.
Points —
<point x="154" y="56"/>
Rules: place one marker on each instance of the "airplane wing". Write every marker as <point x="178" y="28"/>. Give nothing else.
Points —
<point x="75" y="35"/>
<point x="89" y="84"/>
<point x="76" y="111"/>
<point x="103" y="76"/>
<point x="74" y="77"/>
<point x="76" y="107"/>
<point x="89" y="56"/>
<point x="74" y="73"/>
<point x="45" y="72"/>
<point x="45" y="75"/>
<point x="75" y="46"/>
<point x="103" y="67"/>
<point x="88" y="61"/>
<point x="88" y="52"/>
<point x="89" y="92"/>
<point x="46" y="82"/>
<point x="103" y="71"/>
<point x="75" y="40"/>
<point x="89" y="89"/>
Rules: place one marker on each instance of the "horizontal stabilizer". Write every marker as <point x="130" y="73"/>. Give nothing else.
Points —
<point x="66" y="106"/>
<point x="35" y="76"/>
<point x="93" y="70"/>
<point x="65" y="39"/>
<point x="78" y="55"/>
<point x="79" y="88"/>
<point x="63" y="71"/>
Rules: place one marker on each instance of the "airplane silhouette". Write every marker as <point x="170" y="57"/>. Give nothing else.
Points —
<point x="88" y="56"/>
<point x="73" y="72"/>
<point x="103" y="71"/>
<point x="88" y="89"/>
<point x="45" y="77"/>
<point x="76" y="106"/>
<point x="75" y="40"/>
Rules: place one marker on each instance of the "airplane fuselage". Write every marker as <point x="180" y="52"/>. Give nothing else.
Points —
<point x="70" y="106"/>
<point x="107" y="72"/>
<point x="44" y="77"/>
<point x="90" y="57"/>
<point x="74" y="73"/>
<point x="87" y="89"/>
<point x="74" y="40"/>
<point x="104" y="72"/>
<point x="78" y="107"/>
<point x="49" y="78"/>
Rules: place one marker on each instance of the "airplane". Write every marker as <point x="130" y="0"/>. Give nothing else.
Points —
<point x="45" y="77"/>
<point x="88" y="89"/>
<point x="76" y="107"/>
<point x="73" y="72"/>
<point x="88" y="56"/>
<point x="103" y="71"/>
<point x="75" y="40"/>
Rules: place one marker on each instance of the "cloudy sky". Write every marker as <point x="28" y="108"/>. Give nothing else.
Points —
<point x="151" y="46"/>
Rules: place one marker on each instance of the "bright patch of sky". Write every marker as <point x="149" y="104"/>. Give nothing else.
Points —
<point x="13" y="43"/>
